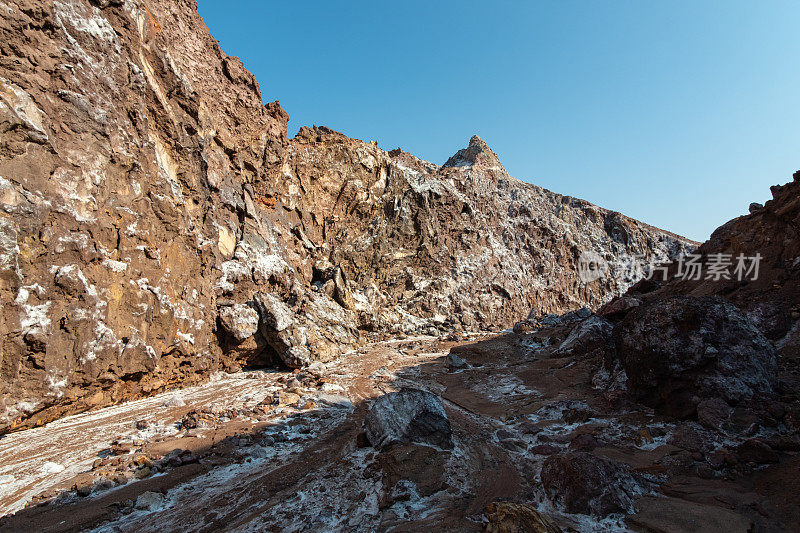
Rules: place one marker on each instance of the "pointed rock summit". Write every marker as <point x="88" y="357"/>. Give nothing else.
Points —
<point x="477" y="153"/>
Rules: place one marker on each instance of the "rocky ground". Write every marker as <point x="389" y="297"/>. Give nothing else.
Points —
<point x="517" y="430"/>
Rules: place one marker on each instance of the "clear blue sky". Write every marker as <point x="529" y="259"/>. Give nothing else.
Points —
<point x="678" y="113"/>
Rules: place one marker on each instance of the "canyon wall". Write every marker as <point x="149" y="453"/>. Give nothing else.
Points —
<point x="157" y="225"/>
<point x="769" y="292"/>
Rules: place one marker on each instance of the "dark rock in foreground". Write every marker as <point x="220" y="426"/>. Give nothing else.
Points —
<point x="756" y="451"/>
<point x="455" y="362"/>
<point x="409" y="415"/>
<point x="590" y="334"/>
<point x="680" y="350"/>
<point x="584" y="483"/>
<point x="672" y="514"/>
<point x="508" y="517"/>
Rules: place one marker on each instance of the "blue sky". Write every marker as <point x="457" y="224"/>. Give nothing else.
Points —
<point x="677" y="113"/>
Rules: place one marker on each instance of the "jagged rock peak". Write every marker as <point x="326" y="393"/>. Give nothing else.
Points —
<point x="477" y="153"/>
<point x="319" y="134"/>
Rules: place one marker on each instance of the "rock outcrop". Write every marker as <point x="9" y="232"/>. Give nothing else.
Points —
<point x="150" y="204"/>
<point x="681" y="350"/>
<point x="769" y="293"/>
<point x="583" y="483"/>
<point x="592" y="333"/>
<point x="463" y="245"/>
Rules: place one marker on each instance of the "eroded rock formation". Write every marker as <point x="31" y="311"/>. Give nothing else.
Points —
<point x="156" y="223"/>
<point x="770" y="294"/>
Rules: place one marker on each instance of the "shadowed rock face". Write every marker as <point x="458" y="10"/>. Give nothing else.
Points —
<point x="680" y="350"/>
<point x="586" y="484"/>
<point x="771" y="300"/>
<point x="149" y="201"/>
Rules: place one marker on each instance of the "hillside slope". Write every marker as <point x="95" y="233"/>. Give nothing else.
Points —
<point x="157" y="225"/>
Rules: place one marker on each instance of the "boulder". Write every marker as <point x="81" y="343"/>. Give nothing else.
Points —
<point x="584" y="442"/>
<point x="580" y="482"/>
<point x="523" y="327"/>
<point x="409" y="415"/>
<point x="619" y="307"/>
<point x="317" y="330"/>
<point x="544" y="449"/>
<point x="150" y="501"/>
<point x="550" y="320"/>
<point x="680" y="350"/>
<point x="534" y="321"/>
<point x="454" y="362"/>
<point x="240" y="321"/>
<point x="687" y="436"/>
<point x="332" y="279"/>
<point x="756" y="451"/>
<point x="275" y="315"/>
<point x="587" y="336"/>
<point x="713" y="412"/>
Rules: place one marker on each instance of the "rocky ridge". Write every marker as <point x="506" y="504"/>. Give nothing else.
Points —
<point x="772" y="300"/>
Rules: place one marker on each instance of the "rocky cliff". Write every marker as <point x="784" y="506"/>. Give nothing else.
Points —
<point x="463" y="245"/>
<point x="157" y="225"/>
<point x="771" y="232"/>
<point x="769" y="293"/>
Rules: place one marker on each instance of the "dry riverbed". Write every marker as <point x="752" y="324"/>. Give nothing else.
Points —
<point x="285" y="451"/>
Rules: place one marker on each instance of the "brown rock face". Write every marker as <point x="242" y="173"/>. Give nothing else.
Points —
<point x="128" y="142"/>
<point x="586" y="484"/>
<point x="144" y="187"/>
<point x="772" y="301"/>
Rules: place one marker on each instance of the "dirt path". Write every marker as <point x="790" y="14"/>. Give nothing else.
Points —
<point x="49" y="459"/>
<point x="284" y="451"/>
